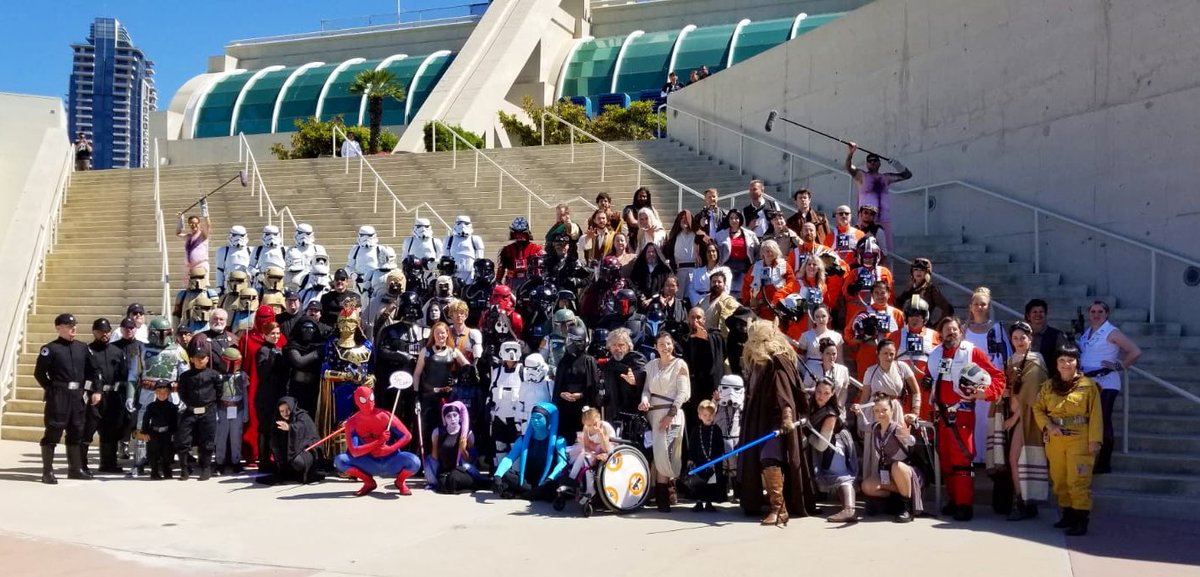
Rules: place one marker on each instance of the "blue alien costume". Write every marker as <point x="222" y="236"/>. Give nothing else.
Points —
<point x="374" y="442"/>
<point x="536" y="461"/>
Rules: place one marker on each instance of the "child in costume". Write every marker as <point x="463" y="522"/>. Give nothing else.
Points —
<point x="159" y="422"/>
<point x="592" y="446"/>
<point x="705" y="443"/>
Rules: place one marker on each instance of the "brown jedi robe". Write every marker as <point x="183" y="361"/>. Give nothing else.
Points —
<point x="774" y="387"/>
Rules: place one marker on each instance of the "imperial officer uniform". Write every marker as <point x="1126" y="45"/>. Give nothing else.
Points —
<point x="64" y="370"/>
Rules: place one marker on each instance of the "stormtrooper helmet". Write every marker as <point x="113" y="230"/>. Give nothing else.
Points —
<point x="510" y="351"/>
<point x="422" y="229"/>
<point x="273" y="279"/>
<point x="387" y="259"/>
<point x="462" y="226"/>
<point x="197" y="278"/>
<point x="304" y="235"/>
<point x="201" y="308"/>
<point x="295" y="261"/>
<point x="319" y="275"/>
<point x="536" y="369"/>
<point x="237" y="236"/>
<point x="366" y="236"/>
<point x="270" y="236"/>
<point x="320" y="256"/>
<point x="731" y="391"/>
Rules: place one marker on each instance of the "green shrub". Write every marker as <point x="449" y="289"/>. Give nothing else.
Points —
<point x="312" y="138"/>
<point x="446" y="141"/>
<point x="637" y="122"/>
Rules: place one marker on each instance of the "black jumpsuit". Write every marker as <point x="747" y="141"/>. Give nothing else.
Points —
<point x="62" y="368"/>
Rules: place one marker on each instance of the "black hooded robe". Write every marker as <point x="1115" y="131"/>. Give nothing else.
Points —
<point x="293" y="463"/>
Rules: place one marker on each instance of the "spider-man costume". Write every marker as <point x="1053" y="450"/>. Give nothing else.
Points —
<point x="368" y="451"/>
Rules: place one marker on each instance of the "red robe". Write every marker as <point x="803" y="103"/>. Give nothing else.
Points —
<point x="249" y="344"/>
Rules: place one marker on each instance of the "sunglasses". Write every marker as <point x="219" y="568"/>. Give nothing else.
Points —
<point x="841" y="214"/>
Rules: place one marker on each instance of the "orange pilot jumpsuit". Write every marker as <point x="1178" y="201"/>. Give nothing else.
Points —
<point x="914" y="349"/>
<point x="767" y="291"/>
<point x="865" y="354"/>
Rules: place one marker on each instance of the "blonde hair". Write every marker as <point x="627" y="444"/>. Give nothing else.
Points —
<point x="802" y="274"/>
<point x="457" y="306"/>
<point x="983" y="292"/>
<point x="590" y="415"/>
<point x="706" y="405"/>
<point x="772" y="247"/>
<point x="764" y="343"/>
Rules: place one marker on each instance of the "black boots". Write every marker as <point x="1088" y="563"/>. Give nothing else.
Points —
<point x="74" y="464"/>
<point x="1067" y="519"/>
<point x="662" y="497"/>
<point x="184" y="467"/>
<point x="83" y="459"/>
<point x="906" y="513"/>
<point x="1080" y="526"/>
<point x="205" y="465"/>
<point x="108" y="459"/>
<point x="48" y="465"/>
<point x="1104" y="459"/>
<point x="1022" y="510"/>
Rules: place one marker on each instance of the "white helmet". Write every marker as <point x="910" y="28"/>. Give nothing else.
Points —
<point x="295" y="260"/>
<point x="510" y="351"/>
<point x="366" y="236"/>
<point x="388" y="259"/>
<point x="462" y="225"/>
<point x="319" y="275"/>
<point x="270" y="236"/>
<point x="237" y="236"/>
<point x="320" y="256"/>
<point x="536" y="369"/>
<point x="972" y="379"/>
<point x="303" y="235"/>
<point x="422" y="229"/>
<point x="731" y="391"/>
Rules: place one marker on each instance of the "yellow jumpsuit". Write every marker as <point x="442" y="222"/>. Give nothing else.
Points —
<point x="1078" y="414"/>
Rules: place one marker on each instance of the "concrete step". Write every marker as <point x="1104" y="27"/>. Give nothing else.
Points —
<point x="1142" y="406"/>
<point x="12" y="418"/>
<point x="1137" y="503"/>
<point x="1162" y="425"/>
<point x="1187" y="486"/>
<point x="1172" y="444"/>
<point x="17" y="433"/>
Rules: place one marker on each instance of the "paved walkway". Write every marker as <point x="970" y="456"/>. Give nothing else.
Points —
<point x="230" y="526"/>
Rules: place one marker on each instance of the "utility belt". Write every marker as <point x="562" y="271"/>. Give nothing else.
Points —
<point x="200" y="410"/>
<point x="160" y="430"/>
<point x="1069" y="421"/>
<point x="68" y="385"/>
<point x="1098" y="372"/>
<point x="952" y="411"/>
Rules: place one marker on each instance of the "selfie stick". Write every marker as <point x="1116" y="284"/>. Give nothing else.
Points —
<point x="775" y="115"/>
<point x="241" y="175"/>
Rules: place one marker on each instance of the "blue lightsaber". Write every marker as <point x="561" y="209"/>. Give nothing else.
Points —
<point x="751" y="444"/>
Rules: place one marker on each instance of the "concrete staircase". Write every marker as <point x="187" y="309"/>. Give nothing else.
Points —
<point x="1160" y="476"/>
<point x="106" y="256"/>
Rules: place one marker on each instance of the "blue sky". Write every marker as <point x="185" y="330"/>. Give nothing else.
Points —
<point x="178" y="35"/>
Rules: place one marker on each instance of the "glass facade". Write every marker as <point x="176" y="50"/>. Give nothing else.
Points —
<point x="258" y="105"/>
<point x="216" y="113"/>
<point x="300" y="100"/>
<point x="644" y="63"/>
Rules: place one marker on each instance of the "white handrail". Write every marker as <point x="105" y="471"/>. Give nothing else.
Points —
<point x="397" y="204"/>
<point x="531" y="196"/>
<point x="160" y="224"/>
<point x="250" y="168"/>
<point x="1039" y="212"/>
<point x="832" y="170"/>
<point x="14" y="341"/>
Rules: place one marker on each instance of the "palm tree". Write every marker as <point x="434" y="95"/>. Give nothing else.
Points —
<point x="377" y="85"/>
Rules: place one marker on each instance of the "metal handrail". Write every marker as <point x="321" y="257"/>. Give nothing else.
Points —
<point x="250" y="167"/>
<point x="396" y="202"/>
<point x="14" y="343"/>
<point x="531" y="196"/>
<point x="604" y="146"/>
<point x="1039" y="212"/>
<point x="792" y="155"/>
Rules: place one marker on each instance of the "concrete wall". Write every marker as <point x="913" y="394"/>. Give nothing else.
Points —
<point x="347" y="45"/>
<point x="613" y="20"/>
<point x="1084" y="107"/>
<point x="35" y="157"/>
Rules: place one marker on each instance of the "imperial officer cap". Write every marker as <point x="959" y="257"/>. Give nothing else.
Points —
<point x="199" y="348"/>
<point x="128" y="323"/>
<point x="341" y="274"/>
<point x="135" y="309"/>
<point x="64" y="319"/>
<point x="313" y="304"/>
<point x="101" y="324"/>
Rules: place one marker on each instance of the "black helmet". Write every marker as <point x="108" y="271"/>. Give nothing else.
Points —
<point x="599" y="346"/>
<point x="577" y="339"/>
<point x="536" y="265"/>
<point x="410" y="306"/>
<point x="626" y="302"/>
<point x="544" y="297"/>
<point x="485" y="269"/>
<point x="610" y="269"/>
<point x="654" y="320"/>
<point x="446" y="266"/>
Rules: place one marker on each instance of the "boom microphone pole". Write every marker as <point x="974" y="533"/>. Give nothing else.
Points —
<point x="774" y="115"/>
<point x="241" y="175"/>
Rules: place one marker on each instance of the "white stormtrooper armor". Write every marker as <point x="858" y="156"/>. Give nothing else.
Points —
<point x="319" y="256"/>
<point x="731" y="397"/>
<point x="270" y="253"/>
<point x="464" y="246"/>
<point x="377" y="279"/>
<point x="319" y="282"/>
<point x="536" y="385"/>
<point x="422" y="244"/>
<point x="364" y="257"/>
<point x="233" y="256"/>
<point x="507" y="411"/>
<point x="296" y="274"/>
<point x="306" y="246"/>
